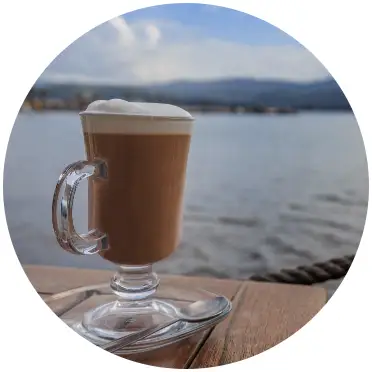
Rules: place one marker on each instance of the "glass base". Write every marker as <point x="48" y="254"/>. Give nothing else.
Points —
<point x="133" y="301"/>
<point x="135" y="308"/>
<point x="114" y="318"/>
<point x="120" y="318"/>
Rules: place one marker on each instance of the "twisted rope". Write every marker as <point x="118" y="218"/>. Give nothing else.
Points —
<point x="319" y="272"/>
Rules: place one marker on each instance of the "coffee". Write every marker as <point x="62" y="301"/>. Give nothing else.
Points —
<point x="139" y="204"/>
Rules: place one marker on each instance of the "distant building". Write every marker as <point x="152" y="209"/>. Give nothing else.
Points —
<point x="54" y="104"/>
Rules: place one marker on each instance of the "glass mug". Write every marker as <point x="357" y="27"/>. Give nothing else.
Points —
<point x="136" y="170"/>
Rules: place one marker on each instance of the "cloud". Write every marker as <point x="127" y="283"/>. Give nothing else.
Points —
<point x="160" y="51"/>
<point x="125" y="33"/>
<point x="153" y="35"/>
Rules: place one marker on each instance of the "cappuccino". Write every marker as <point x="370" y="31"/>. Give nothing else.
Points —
<point x="138" y="205"/>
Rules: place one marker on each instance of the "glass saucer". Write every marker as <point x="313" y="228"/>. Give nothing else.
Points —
<point x="73" y="305"/>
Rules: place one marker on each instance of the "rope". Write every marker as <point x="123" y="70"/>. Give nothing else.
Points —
<point x="319" y="272"/>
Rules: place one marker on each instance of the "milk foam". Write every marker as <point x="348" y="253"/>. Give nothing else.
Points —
<point x="119" y="116"/>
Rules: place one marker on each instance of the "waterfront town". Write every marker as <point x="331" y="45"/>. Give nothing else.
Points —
<point x="40" y="100"/>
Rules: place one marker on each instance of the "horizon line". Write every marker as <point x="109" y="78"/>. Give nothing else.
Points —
<point x="177" y="81"/>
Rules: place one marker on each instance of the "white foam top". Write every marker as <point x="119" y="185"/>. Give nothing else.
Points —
<point x="119" y="116"/>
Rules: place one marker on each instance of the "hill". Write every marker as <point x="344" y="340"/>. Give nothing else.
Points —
<point x="247" y="92"/>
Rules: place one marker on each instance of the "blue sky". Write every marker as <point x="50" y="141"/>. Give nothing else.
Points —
<point x="218" y="22"/>
<point x="183" y="42"/>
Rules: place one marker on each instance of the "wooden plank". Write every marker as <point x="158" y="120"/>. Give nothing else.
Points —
<point x="181" y="354"/>
<point x="173" y="356"/>
<point x="53" y="279"/>
<point x="263" y="315"/>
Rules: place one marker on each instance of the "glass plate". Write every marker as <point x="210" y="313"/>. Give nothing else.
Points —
<point x="71" y="305"/>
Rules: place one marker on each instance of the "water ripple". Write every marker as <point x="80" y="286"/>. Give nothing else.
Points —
<point x="322" y="222"/>
<point x="284" y="247"/>
<point x="337" y="199"/>
<point x="246" y="222"/>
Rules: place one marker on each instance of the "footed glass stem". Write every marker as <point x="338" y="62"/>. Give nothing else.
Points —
<point x="134" y="309"/>
<point x="134" y="282"/>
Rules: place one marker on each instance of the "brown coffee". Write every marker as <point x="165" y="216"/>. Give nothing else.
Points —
<point x="139" y="204"/>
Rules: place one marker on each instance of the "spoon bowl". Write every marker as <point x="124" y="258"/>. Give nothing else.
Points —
<point x="202" y="310"/>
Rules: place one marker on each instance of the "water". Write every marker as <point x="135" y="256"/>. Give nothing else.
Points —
<point x="262" y="193"/>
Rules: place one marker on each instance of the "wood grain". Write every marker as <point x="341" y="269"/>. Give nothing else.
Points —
<point x="263" y="316"/>
<point x="54" y="279"/>
<point x="177" y="355"/>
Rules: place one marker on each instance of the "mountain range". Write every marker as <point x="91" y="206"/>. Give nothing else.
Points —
<point x="325" y="94"/>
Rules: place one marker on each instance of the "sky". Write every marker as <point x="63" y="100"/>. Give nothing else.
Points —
<point x="183" y="42"/>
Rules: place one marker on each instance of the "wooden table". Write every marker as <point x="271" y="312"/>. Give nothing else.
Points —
<point x="263" y="315"/>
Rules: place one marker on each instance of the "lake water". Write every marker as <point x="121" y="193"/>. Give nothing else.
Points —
<point x="263" y="192"/>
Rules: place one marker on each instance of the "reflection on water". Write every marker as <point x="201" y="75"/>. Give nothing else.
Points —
<point x="263" y="192"/>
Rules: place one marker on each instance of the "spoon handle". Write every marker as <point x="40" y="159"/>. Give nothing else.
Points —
<point x="117" y="344"/>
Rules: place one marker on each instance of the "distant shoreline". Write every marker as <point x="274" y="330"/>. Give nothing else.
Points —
<point x="238" y="96"/>
<point x="38" y="105"/>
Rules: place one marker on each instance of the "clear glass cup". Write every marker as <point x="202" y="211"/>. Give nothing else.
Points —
<point x="136" y="171"/>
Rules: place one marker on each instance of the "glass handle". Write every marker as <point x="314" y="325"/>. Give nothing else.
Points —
<point x="63" y="201"/>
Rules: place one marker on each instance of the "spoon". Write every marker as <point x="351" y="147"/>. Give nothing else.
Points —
<point x="195" y="312"/>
